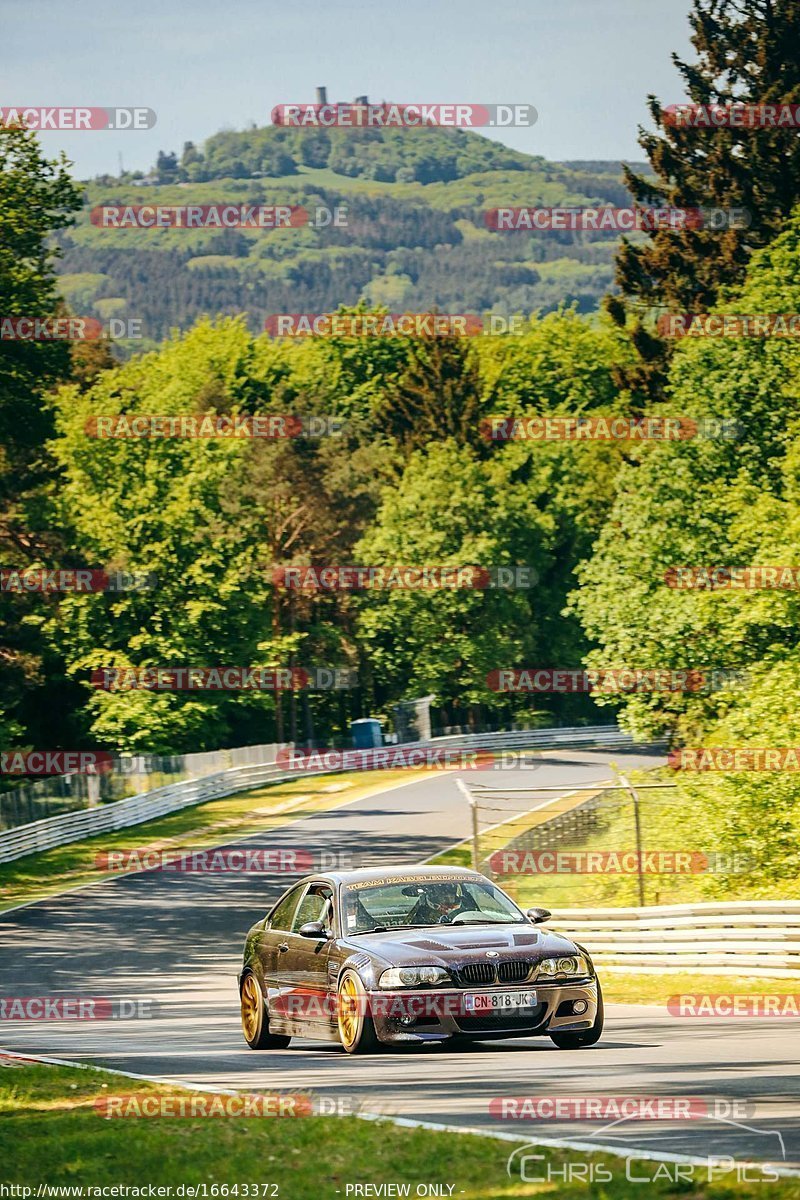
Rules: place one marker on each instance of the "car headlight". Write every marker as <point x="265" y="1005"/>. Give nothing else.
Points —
<point x="574" y="964"/>
<point x="398" y="977"/>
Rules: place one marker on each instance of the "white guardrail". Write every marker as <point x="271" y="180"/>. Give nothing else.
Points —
<point x="588" y="735"/>
<point x="119" y="814"/>
<point x="741" y="937"/>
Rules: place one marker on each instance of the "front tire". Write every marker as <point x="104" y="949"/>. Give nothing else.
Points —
<point x="586" y="1037"/>
<point x="356" y="1026"/>
<point x="255" y="1023"/>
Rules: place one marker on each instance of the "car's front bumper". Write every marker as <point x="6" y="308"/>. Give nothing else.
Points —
<point x="422" y="1014"/>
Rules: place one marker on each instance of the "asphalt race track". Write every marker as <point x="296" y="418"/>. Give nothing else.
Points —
<point x="174" y="940"/>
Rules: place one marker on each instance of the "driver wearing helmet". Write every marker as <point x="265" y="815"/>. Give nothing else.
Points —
<point x="439" y="903"/>
<point x="444" y="899"/>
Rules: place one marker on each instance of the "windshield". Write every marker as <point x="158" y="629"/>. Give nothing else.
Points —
<point x="404" y="905"/>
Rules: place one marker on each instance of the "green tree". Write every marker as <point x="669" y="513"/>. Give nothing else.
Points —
<point x="561" y="366"/>
<point x="703" y="502"/>
<point x="176" y="508"/>
<point x="210" y="518"/>
<point x="438" y="395"/>
<point x="748" y="51"/>
<point x="37" y="197"/>
<point x="450" y="508"/>
<point x="754" y="814"/>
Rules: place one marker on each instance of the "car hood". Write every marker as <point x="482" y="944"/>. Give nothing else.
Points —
<point x="453" y="944"/>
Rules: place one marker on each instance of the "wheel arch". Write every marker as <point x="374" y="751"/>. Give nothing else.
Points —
<point x="363" y="965"/>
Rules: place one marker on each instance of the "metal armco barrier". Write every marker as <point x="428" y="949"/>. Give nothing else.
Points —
<point x="74" y="826"/>
<point x="742" y="937"/>
<point x="131" y="775"/>
<point x="106" y="818"/>
<point x="607" y="736"/>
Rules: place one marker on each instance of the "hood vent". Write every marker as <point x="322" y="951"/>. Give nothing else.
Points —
<point x="481" y="945"/>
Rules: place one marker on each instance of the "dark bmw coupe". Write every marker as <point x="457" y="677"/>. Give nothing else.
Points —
<point x="398" y="955"/>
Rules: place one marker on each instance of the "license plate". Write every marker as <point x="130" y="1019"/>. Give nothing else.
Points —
<point x="481" y="1002"/>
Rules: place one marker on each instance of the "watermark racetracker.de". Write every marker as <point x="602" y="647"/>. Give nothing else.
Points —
<point x="605" y="219"/>
<point x="55" y="762"/>
<point x="729" y="325"/>
<point x="393" y="324"/>
<point x="83" y="580"/>
<point x="76" y="1008"/>
<point x="47" y="328"/>
<point x="223" y="679"/>
<point x="390" y="758"/>
<point x="225" y="426"/>
<point x="582" y="428"/>
<point x="261" y="217"/>
<point x="732" y="1004"/>
<point x="735" y="758"/>
<point x="784" y="578"/>
<point x="239" y="860"/>
<point x="509" y="862"/>
<point x="613" y="680"/>
<point x="46" y="118"/>
<point x="336" y="577"/>
<point x="408" y="115"/>
<point x="735" y="115"/>
<point x="198" y="1105"/>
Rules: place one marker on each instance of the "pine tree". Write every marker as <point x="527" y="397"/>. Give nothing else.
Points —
<point x="437" y="396"/>
<point x="748" y="52"/>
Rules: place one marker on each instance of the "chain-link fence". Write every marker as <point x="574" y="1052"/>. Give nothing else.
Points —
<point x="514" y="821"/>
<point x="605" y="844"/>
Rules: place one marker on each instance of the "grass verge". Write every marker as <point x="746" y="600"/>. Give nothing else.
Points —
<point x="52" y="1133"/>
<point x="625" y="988"/>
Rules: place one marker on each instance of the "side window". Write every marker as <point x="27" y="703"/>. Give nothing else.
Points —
<point x="282" y="916"/>
<point x="313" y="907"/>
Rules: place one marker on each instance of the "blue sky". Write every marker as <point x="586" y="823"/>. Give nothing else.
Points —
<point x="586" y="65"/>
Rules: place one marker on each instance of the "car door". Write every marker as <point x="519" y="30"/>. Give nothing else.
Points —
<point x="273" y="945"/>
<point x="304" y="966"/>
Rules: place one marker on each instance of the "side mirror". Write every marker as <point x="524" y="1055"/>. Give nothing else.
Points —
<point x="537" y="915"/>
<point x="313" y="929"/>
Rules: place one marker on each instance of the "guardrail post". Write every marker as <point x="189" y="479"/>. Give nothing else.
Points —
<point x="624" y="782"/>
<point x="92" y="789"/>
<point x="473" y="804"/>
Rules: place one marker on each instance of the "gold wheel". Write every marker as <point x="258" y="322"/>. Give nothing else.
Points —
<point x="255" y="1021"/>
<point x="348" y="1012"/>
<point x="251" y="1009"/>
<point x="356" y="1027"/>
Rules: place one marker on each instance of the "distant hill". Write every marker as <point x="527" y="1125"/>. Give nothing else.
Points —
<point x="415" y="239"/>
<point x="384" y="155"/>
